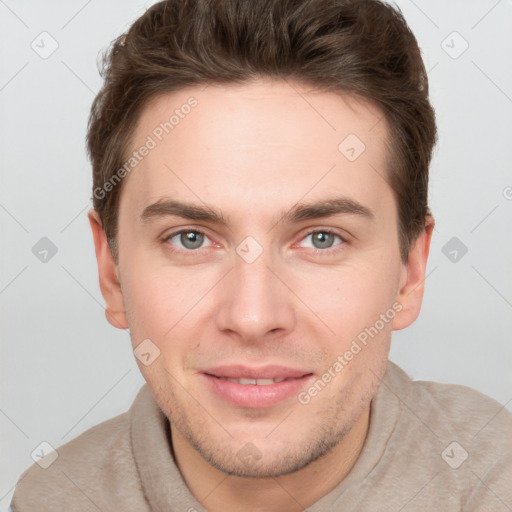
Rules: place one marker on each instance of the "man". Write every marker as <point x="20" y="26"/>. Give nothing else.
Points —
<point x="261" y="227"/>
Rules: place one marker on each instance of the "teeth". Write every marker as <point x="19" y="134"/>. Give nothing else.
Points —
<point x="264" y="382"/>
<point x="247" y="381"/>
<point x="257" y="382"/>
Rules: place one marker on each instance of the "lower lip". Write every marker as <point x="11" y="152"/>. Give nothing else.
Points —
<point x="253" y="396"/>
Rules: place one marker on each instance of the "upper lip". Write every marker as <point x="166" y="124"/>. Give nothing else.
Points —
<point x="261" y="372"/>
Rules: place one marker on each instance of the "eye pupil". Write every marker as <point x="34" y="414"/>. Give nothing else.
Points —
<point x="191" y="239"/>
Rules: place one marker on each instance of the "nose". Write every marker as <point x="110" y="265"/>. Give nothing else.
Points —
<point x="254" y="301"/>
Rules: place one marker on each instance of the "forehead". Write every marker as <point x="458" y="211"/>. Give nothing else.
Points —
<point x="257" y="143"/>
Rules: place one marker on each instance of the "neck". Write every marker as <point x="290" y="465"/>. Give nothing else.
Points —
<point x="220" y="492"/>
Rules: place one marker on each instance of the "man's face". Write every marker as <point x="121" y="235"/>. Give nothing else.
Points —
<point x="263" y="295"/>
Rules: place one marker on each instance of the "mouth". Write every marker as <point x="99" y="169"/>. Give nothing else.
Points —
<point x="256" y="388"/>
<point x="254" y="382"/>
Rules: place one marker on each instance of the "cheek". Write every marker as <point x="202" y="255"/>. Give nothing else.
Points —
<point x="349" y="298"/>
<point x="153" y="303"/>
<point x="167" y="305"/>
<point x="155" y="311"/>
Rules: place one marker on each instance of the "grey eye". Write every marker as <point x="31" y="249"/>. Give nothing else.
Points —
<point x="191" y="239"/>
<point x="188" y="239"/>
<point x="322" y="239"/>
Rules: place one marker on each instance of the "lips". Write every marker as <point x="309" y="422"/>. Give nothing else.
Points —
<point x="255" y="388"/>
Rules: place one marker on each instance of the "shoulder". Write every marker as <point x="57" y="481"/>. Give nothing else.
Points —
<point x="99" y="458"/>
<point x="457" y="435"/>
<point x="451" y="408"/>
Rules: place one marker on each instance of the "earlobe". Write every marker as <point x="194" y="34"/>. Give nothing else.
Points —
<point x="107" y="271"/>
<point x="412" y="280"/>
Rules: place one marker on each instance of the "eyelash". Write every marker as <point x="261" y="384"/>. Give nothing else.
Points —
<point x="322" y="252"/>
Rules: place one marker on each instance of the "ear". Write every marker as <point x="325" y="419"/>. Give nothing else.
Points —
<point x="108" y="274"/>
<point x="412" y="281"/>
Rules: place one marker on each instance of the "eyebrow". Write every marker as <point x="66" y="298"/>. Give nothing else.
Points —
<point x="299" y="212"/>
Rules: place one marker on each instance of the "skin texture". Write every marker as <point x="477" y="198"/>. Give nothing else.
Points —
<point x="252" y="152"/>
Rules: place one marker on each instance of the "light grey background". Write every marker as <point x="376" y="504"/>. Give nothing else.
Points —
<point x="65" y="369"/>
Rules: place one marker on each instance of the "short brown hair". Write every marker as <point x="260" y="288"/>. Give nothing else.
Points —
<point x="361" y="47"/>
